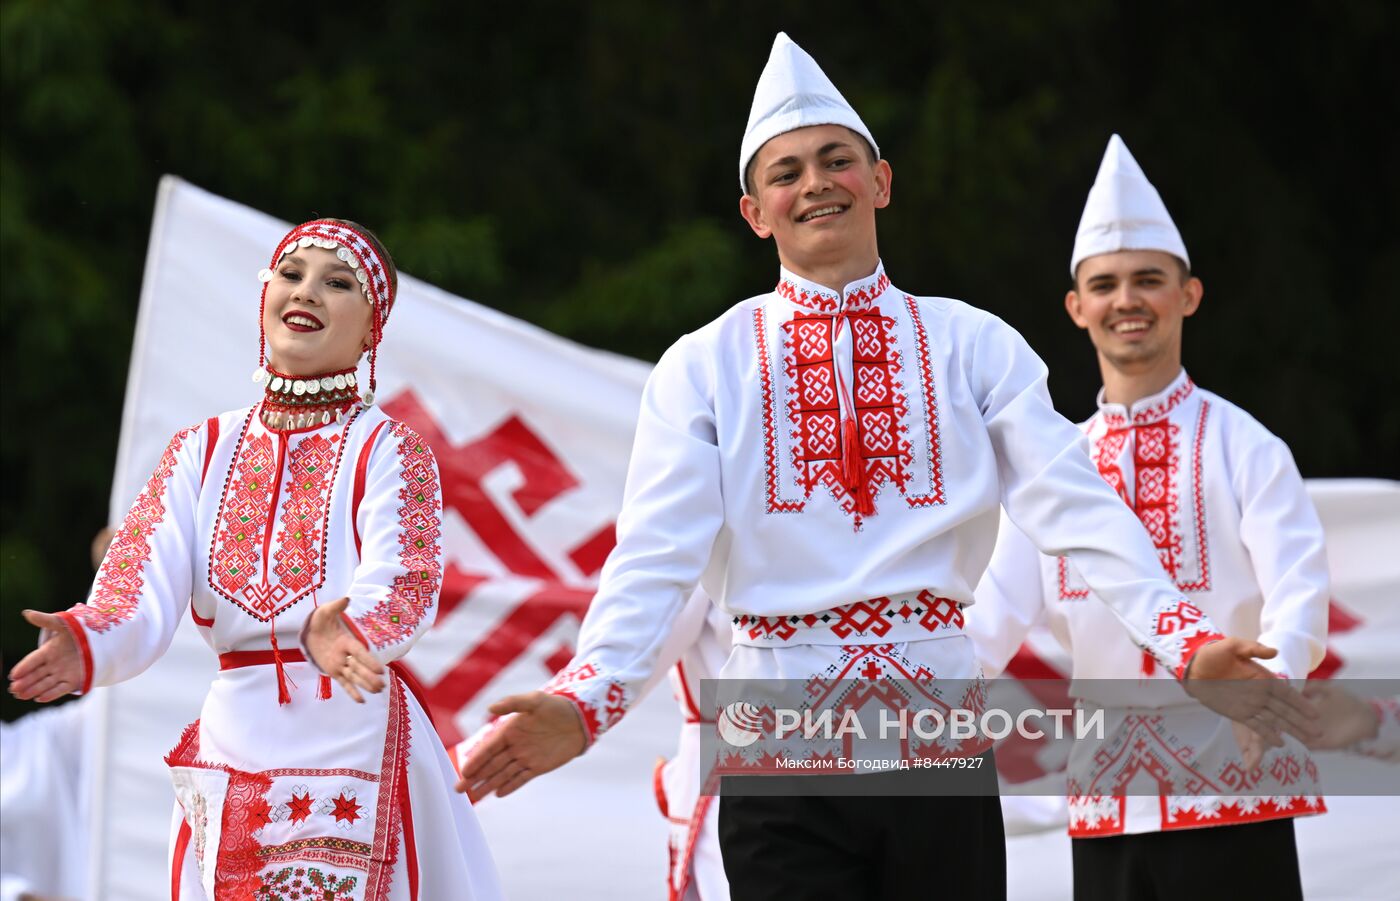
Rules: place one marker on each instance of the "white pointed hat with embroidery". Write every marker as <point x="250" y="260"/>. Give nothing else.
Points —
<point x="793" y="92"/>
<point x="1124" y="212"/>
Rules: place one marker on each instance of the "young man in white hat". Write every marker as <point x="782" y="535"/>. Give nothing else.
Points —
<point x="1225" y="508"/>
<point x="828" y="459"/>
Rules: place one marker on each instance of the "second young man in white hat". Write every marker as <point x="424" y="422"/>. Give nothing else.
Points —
<point x="1223" y="504"/>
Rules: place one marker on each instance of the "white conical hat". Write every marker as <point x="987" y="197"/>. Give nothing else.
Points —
<point x="1124" y="212"/>
<point x="793" y="92"/>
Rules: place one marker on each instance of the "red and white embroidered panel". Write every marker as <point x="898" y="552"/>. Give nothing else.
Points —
<point x="1196" y="785"/>
<point x="926" y="614"/>
<point x="860" y="677"/>
<point x="278" y="832"/>
<point x="811" y="453"/>
<point x="119" y="582"/>
<point x="1142" y="463"/>
<point x="415" y="592"/>
<point x="262" y="576"/>
<point x="299" y="559"/>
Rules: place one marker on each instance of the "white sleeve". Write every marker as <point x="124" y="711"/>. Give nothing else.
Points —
<point x="1280" y="530"/>
<point x="143" y="586"/>
<point x="671" y="512"/>
<point x="1053" y="494"/>
<point x="394" y="595"/>
<point x="1008" y="602"/>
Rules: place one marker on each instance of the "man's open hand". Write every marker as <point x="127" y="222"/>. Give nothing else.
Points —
<point x="1226" y="676"/>
<point x="538" y="732"/>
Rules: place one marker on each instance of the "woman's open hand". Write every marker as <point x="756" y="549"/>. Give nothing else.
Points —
<point x="54" y="669"/>
<point x="341" y="655"/>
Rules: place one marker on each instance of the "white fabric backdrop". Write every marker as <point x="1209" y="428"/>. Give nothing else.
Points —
<point x="533" y="434"/>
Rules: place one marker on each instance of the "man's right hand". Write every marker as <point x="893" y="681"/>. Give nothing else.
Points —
<point x="1227" y="677"/>
<point x="538" y="732"/>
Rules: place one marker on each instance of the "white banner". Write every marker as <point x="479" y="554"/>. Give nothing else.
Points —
<point x="532" y="434"/>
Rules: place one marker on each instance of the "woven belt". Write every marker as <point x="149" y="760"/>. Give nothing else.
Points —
<point x="911" y="617"/>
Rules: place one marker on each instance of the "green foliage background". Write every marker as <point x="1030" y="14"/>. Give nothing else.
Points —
<point x="574" y="165"/>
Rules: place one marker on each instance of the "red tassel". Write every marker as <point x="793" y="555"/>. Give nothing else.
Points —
<point x="1149" y="664"/>
<point x="851" y="460"/>
<point x="865" y="504"/>
<point x="323" y="684"/>
<point x="284" y="696"/>
<point x="853" y="468"/>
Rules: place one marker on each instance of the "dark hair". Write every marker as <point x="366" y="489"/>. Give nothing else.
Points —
<point x="748" y="170"/>
<point x="1181" y="266"/>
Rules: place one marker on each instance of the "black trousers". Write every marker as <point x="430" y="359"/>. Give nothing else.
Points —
<point x="879" y="836"/>
<point x="1252" y="860"/>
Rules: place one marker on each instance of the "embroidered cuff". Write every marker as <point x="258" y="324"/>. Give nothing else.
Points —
<point x="1192" y="647"/>
<point x="1179" y="630"/>
<point x="75" y="628"/>
<point x="600" y="702"/>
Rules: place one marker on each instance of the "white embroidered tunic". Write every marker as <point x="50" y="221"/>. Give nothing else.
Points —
<point x="1223" y="504"/>
<point x="318" y="795"/>
<point x="830" y="469"/>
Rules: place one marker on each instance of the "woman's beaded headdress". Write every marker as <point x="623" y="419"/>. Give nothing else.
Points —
<point x="356" y="251"/>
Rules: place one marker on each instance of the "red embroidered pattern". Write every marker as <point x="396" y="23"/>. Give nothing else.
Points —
<point x="235" y="558"/>
<point x="1202" y="582"/>
<point x="1155" y="499"/>
<point x="1189" y="813"/>
<point x="770" y="431"/>
<point x="874" y="617"/>
<point x="935" y="464"/>
<point x="814" y="405"/>
<point x="597" y="719"/>
<point x="388" y="819"/>
<point x="1153" y="413"/>
<point x="300" y="548"/>
<point x="245" y="798"/>
<point x="823" y="302"/>
<point x="252" y="485"/>
<point x="1096" y="815"/>
<point x="415" y="592"/>
<point x="295" y="883"/>
<point x="119" y="583"/>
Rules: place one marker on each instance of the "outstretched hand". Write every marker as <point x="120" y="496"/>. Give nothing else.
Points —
<point x="1345" y="718"/>
<point x="1226" y="676"/>
<point x="537" y="732"/>
<point x="54" y="669"/>
<point x="341" y="655"/>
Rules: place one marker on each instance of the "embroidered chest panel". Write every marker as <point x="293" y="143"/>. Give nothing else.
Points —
<point x="808" y="446"/>
<point x="268" y="548"/>
<point x="1155" y="466"/>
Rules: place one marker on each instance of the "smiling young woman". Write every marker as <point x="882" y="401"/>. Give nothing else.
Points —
<point x="252" y="516"/>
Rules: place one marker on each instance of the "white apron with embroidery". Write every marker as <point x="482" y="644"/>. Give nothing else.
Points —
<point x="1225" y="508"/>
<point x="318" y="796"/>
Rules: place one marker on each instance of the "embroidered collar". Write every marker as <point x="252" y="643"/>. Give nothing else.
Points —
<point x="1150" y="409"/>
<point x="859" y="295"/>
